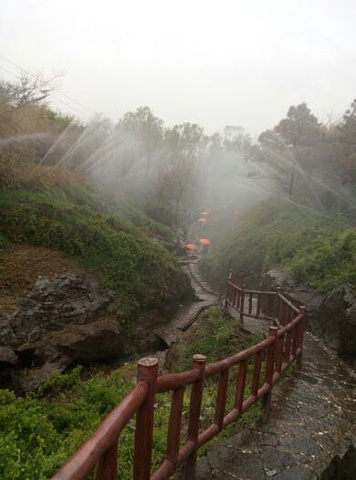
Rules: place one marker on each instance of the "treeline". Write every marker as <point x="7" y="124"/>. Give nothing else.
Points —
<point x="311" y="161"/>
<point x="174" y="169"/>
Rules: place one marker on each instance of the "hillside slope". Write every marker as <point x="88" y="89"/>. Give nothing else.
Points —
<point x="105" y="235"/>
<point x="316" y="248"/>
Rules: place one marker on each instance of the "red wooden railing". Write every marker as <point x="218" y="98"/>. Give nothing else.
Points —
<point x="281" y="348"/>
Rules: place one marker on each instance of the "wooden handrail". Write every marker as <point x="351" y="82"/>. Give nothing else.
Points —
<point x="281" y="348"/>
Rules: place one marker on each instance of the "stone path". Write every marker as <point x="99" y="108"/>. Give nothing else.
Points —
<point x="188" y="313"/>
<point x="312" y="420"/>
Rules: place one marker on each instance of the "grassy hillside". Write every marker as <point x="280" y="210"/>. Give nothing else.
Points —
<point x="318" y="249"/>
<point x="107" y="235"/>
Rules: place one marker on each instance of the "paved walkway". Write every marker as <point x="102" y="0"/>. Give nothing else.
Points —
<point x="189" y="312"/>
<point x="313" y="419"/>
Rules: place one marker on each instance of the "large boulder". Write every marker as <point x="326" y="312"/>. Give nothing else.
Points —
<point x="52" y="304"/>
<point x="61" y="321"/>
<point x="97" y="340"/>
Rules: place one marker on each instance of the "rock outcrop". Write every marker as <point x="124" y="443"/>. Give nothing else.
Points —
<point x="65" y="320"/>
<point x="331" y="316"/>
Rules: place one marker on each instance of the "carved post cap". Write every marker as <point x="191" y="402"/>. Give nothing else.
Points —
<point x="199" y="358"/>
<point x="148" y="362"/>
<point x="302" y="308"/>
<point x="273" y="330"/>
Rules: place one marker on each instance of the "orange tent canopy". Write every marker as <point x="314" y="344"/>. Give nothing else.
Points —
<point x="205" y="241"/>
<point x="190" y="246"/>
<point x="202" y="220"/>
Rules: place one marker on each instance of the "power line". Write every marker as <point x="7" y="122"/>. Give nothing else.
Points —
<point x="59" y="93"/>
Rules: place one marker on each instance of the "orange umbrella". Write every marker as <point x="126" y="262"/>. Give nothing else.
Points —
<point x="208" y="210"/>
<point x="202" y="220"/>
<point x="205" y="214"/>
<point x="205" y="241"/>
<point x="190" y="246"/>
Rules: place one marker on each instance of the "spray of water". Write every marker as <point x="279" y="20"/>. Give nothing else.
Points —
<point x="44" y="136"/>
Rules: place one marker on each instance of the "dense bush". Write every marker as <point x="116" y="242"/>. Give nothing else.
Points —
<point x="81" y="223"/>
<point x="317" y="248"/>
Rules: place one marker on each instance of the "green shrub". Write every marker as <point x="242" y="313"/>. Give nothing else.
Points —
<point x="318" y="249"/>
<point x="81" y="223"/>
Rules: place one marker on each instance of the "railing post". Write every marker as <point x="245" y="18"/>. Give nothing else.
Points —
<point x="194" y="414"/>
<point x="229" y="288"/>
<point x="300" y="337"/>
<point x="242" y="303"/>
<point x="241" y="382"/>
<point x="174" y="427"/>
<point x="273" y="332"/>
<point x="107" y="465"/>
<point x="147" y="372"/>
<point x="231" y="275"/>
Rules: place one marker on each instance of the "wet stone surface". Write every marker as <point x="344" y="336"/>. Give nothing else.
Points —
<point x="187" y="314"/>
<point x="311" y="422"/>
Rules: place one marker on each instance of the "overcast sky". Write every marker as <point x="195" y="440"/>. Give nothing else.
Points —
<point x="215" y="63"/>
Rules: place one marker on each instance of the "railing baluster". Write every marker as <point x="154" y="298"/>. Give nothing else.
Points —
<point x="174" y="426"/>
<point x="107" y="465"/>
<point x="270" y="368"/>
<point x="279" y="353"/>
<point x="221" y="399"/>
<point x="295" y="341"/>
<point x="250" y="304"/>
<point x="238" y="300"/>
<point x="241" y="381"/>
<point x="287" y="347"/>
<point x="258" y="306"/>
<point x="282" y="312"/>
<point x="147" y="372"/>
<point x="256" y="373"/>
<point x="278" y="304"/>
<point x="300" y="337"/>
<point x="234" y="297"/>
<point x="242" y="303"/>
<point x="268" y="306"/>
<point x="194" y="414"/>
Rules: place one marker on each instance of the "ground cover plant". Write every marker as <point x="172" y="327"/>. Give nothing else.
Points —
<point x="316" y="248"/>
<point x="42" y="429"/>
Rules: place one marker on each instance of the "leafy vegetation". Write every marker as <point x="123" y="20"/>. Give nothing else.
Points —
<point x="82" y="224"/>
<point x="317" y="249"/>
<point x="42" y="429"/>
<point x="216" y="336"/>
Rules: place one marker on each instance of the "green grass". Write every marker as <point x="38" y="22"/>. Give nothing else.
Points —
<point x="42" y="429"/>
<point x="317" y="249"/>
<point x="98" y="231"/>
